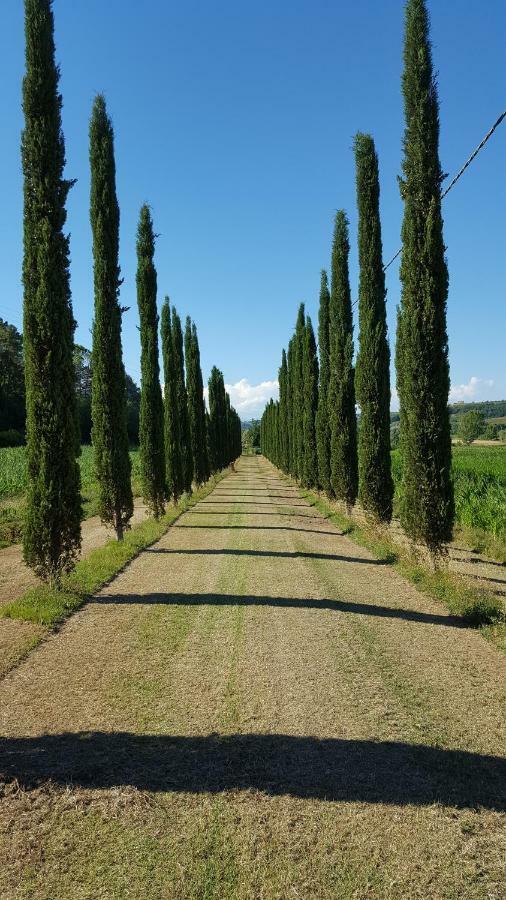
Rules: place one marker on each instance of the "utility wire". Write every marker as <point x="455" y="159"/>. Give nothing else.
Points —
<point x="453" y="182"/>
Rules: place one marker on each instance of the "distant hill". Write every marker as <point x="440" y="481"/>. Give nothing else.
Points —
<point x="491" y="409"/>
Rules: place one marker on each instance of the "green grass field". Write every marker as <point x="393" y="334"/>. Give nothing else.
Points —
<point x="13" y="486"/>
<point x="479" y="476"/>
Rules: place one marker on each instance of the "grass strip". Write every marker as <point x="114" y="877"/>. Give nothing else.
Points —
<point x="477" y="607"/>
<point x="48" y="606"/>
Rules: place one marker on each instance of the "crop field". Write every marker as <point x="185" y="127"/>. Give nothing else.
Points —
<point x="13" y="477"/>
<point x="13" y="470"/>
<point x="479" y="477"/>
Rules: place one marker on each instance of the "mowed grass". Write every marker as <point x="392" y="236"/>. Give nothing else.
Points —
<point x="13" y="479"/>
<point x="479" y="478"/>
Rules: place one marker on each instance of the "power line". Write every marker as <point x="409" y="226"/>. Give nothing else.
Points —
<point x="454" y="180"/>
<point x="452" y="184"/>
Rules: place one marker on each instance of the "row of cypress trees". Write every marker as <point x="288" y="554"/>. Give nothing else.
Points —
<point x="348" y="465"/>
<point x="173" y="431"/>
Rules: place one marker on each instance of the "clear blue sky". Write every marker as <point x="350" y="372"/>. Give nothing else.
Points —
<point x="235" y="122"/>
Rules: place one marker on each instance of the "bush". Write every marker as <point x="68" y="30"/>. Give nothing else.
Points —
<point x="12" y="438"/>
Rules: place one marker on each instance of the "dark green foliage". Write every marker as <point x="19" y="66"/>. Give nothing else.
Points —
<point x="196" y="405"/>
<point x="372" y="377"/>
<point x="52" y="533"/>
<point x="182" y="405"/>
<point x="322" y="414"/>
<point x="109" y="403"/>
<point x="217" y="422"/>
<point x="172" y="436"/>
<point x="309" y="475"/>
<point x="283" y="414"/>
<point x="152" y="459"/>
<point x="427" y="509"/>
<point x="297" y="391"/>
<point x="289" y="404"/>
<point x="12" y="379"/>
<point x="341" y="393"/>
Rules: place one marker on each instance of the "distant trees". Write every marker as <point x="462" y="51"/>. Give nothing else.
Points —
<point x="109" y="402"/>
<point x="427" y="509"/>
<point x="196" y="405"/>
<point x="152" y="459"/>
<point x="224" y="425"/>
<point x="309" y="474"/>
<point x="217" y="421"/>
<point x="182" y="405"/>
<point x="52" y="532"/>
<point x="372" y="376"/>
<point x="172" y="442"/>
<point x="12" y="384"/>
<point x="471" y="426"/>
<point x="322" y="414"/>
<point x="178" y="450"/>
<point x="341" y="392"/>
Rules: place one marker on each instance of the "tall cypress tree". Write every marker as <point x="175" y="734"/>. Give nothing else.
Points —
<point x="152" y="460"/>
<point x="372" y="379"/>
<point x="290" y="404"/>
<point x="172" y="442"/>
<point x="322" y="415"/>
<point x="283" y="413"/>
<point x="108" y="396"/>
<point x="182" y="405"/>
<point x="341" y="394"/>
<point x="427" y="508"/>
<point x="196" y="405"/>
<point x="217" y="421"/>
<point x="310" y="405"/>
<point x="298" y="394"/>
<point x="52" y="533"/>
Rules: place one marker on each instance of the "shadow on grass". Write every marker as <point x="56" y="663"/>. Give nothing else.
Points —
<point x="274" y="554"/>
<point x="276" y="764"/>
<point x="339" y="606"/>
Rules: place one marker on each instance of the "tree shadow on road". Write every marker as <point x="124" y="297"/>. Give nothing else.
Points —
<point x="340" y="606"/>
<point x="274" y="554"/>
<point x="276" y="764"/>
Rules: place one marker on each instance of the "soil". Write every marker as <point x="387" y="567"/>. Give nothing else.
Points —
<point x="255" y="708"/>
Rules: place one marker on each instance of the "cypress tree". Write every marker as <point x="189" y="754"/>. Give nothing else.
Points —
<point x="152" y="461"/>
<point x="341" y="394"/>
<point x="217" y="421"/>
<point x="52" y="533"/>
<point x="322" y="415"/>
<point x="289" y="404"/>
<point x="182" y="405"/>
<point x="108" y="396"/>
<point x="372" y="379"/>
<point x="310" y="405"/>
<point x="298" y="395"/>
<point x="283" y="413"/>
<point x="196" y="405"/>
<point x="172" y="442"/>
<point x="427" y="508"/>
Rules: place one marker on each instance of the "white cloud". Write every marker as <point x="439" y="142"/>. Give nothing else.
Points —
<point x="250" y="399"/>
<point x="475" y="389"/>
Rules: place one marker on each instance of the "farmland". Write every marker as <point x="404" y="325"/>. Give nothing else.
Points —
<point x="13" y="478"/>
<point x="479" y="477"/>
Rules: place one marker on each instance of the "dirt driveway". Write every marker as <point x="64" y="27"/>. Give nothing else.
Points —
<point x="255" y="708"/>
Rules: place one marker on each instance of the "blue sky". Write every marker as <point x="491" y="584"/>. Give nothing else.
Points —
<point x="235" y="121"/>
